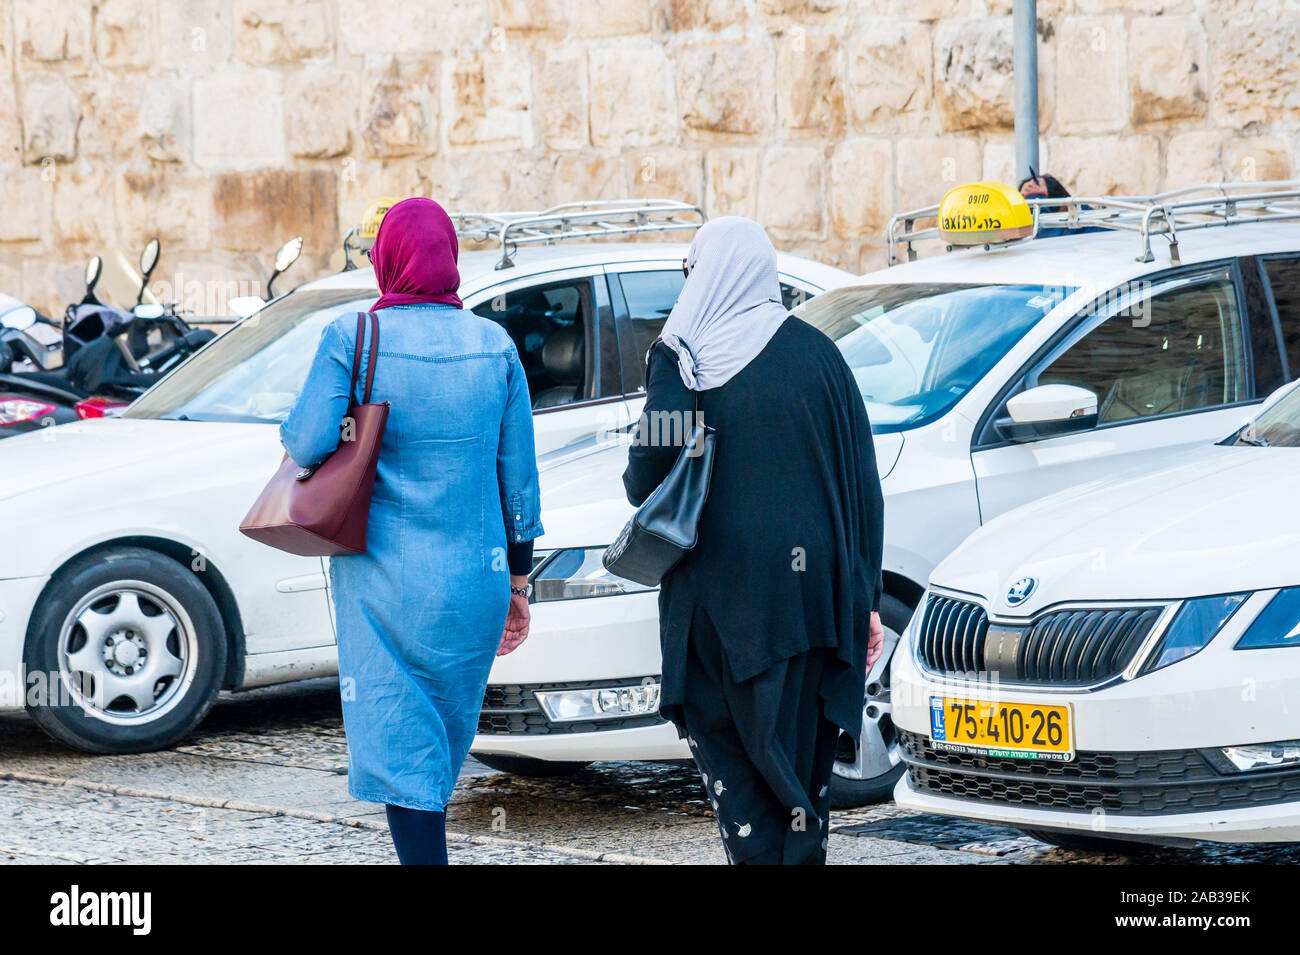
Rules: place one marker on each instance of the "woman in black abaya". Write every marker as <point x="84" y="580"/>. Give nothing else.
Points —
<point x="768" y="625"/>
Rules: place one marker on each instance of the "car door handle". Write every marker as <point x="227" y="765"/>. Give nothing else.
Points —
<point x="297" y="585"/>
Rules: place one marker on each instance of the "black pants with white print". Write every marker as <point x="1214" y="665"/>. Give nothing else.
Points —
<point x="764" y="749"/>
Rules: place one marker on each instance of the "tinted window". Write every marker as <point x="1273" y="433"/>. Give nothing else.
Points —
<point x="1184" y="353"/>
<point x="548" y="324"/>
<point x="650" y="296"/>
<point x="1284" y="279"/>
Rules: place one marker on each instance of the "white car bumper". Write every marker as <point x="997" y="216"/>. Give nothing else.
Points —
<point x="606" y="641"/>
<point x="1279" y="823"/>
<point x="1218" y="697"/>
<point x="17" y="599"/>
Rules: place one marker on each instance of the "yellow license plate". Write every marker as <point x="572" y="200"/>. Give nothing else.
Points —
<point x="1002" y="728"/>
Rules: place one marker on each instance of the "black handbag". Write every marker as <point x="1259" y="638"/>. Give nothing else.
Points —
<point x="666" y="525"/>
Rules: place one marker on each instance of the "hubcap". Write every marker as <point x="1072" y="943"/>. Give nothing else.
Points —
<point x="127" y="652"/>
<point x="877" y="751"/>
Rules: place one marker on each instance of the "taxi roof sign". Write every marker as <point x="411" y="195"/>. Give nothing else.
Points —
<point x="370" y="219"/>
<point x="984" y="213"/>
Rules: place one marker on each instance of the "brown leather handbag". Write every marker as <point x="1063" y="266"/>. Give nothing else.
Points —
<point x="323" y="511"/>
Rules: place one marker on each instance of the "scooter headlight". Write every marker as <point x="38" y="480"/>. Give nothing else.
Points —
<point x="1278" y="624"/>
<point x="576" y="573"/>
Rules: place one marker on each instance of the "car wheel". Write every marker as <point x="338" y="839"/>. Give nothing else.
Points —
<point x="529" y="768"/>
<point x="127" y="650"/>
<point x="865" y="773"/>
<point x="1081" y="843"/>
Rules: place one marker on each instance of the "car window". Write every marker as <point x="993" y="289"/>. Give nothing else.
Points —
<point x="549" y="325"/>
<point x="254" y="371"/>
<point x="1284" y="280"/>
<point x="916" y="349"/>
<point x="650" y="296"/>
<point x="1183" y="354"/>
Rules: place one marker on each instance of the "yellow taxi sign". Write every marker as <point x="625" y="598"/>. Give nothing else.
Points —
<point x="368" y="228"/>
<point x="982" y="213"/>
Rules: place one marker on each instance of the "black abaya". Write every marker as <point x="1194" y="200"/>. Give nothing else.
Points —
<point x="786" y="571"/>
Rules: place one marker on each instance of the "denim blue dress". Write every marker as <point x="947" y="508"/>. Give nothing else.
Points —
<point x="420" y="614"/>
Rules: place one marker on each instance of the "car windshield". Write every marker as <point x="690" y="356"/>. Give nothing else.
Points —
<point x="1278" y="427"/>
<point x="916" y="349"/>
<point x="254" y="371"/>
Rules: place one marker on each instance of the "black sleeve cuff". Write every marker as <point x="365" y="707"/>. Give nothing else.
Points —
<point x="519" y="557"/>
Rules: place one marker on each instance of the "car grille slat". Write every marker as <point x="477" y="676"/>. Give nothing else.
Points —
<point x="1156" y="782"/>
<point x="1074" y="647"/>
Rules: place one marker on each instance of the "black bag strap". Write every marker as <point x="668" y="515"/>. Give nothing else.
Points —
<point x="694" y="391"/>
<point x="356" y="355"/>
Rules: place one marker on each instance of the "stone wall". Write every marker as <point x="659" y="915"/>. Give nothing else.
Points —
<point x="225" y="126"/>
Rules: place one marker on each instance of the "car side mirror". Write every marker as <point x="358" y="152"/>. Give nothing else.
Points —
<point x="1048" y="411"/>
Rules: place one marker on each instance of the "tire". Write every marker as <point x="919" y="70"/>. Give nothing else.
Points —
<point x="130" y="622"/>
<point x="526" y="767"/>
<point x="867" y="774"/>
<point x="1081" y="843"/>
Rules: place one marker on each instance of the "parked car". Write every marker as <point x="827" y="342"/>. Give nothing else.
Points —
<point x="1120" y="660"/>
<point x="992" y="377"/>
<point x="133" y="598"/>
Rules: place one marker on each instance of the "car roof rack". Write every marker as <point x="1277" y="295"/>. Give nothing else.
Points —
<point x="1205" y="206"/>
<point x="575" y="220"/>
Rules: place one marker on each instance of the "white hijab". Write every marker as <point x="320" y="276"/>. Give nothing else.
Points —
<point x="730" y="306"/>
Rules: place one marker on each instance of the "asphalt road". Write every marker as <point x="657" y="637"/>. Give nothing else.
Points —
<point x="264" y="780"/>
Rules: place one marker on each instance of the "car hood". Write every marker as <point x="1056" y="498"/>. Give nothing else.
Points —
<point x="1223" y="520"/>
<point x="84" y="451"/>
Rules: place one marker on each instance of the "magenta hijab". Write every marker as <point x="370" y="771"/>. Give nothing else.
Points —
<point x="414" y="256"/>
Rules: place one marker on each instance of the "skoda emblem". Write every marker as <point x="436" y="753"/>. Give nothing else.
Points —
<point x="1021" y="590"/>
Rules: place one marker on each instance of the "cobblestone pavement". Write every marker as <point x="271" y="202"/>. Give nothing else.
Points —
<point x="264" y="780"/>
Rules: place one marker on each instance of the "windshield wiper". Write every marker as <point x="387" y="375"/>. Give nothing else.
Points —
<point x="1253" y="440"/>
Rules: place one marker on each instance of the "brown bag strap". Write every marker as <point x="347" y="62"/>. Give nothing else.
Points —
<point x="356" y="355"/>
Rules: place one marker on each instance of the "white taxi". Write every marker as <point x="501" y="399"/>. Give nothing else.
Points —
<point x="993" y="376"/>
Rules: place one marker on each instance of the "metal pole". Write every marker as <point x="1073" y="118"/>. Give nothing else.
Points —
<point x="1025" y="40"/>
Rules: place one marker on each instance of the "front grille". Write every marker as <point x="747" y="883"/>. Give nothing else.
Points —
<point x="511" y="709"/>
<point x="1157" y="782"/>
<point x="1064" y="647"/>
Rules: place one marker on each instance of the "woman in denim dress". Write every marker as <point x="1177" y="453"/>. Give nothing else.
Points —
<point x="441" y="588"/>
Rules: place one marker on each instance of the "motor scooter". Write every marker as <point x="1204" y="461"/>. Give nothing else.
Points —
<point x="110" y="357"/>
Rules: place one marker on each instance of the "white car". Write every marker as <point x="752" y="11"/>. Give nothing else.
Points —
<point x="1121" y="660"/>
<point x="992" y="377"/>
<point x="128" y="597"/>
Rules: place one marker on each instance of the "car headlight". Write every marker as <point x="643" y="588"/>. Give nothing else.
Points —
<point x="576" y="573"/>
<point x="1278" y="624"/>
<point x="1194" y="626"/>
<point x="599" y="703"/>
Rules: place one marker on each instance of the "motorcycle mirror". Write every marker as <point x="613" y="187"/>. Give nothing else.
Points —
<point x="288" y="254"/>
<point x="285" y="257"/>
<point x="148" y="260"/>
<point x="19" y="318"/>
<point x="149" y="257"/>
<point x="93" y="270"/>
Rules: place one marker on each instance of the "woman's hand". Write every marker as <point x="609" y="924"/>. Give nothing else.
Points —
<point x="517" y="619"/>
<point x="875" y="640"/>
